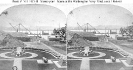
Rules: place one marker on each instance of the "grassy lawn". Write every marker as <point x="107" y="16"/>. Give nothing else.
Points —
<point x="73" y="64"/>
<point x="94" y="65"/>
<point x="60" y="47"/>
<point x="109" y="53"/>
<point x="107" y="56"/>
<point x="2" y="51"/>
<point x="49" y="67"/>
<point x="56" y="44"/>
<point x="102" y="65"/>
<point x="103" y="44"/>
<point x="24" y="55"/>
<point x="33" y="65"/>
<point x="125" y="43"/>
<point x="81" y="55"/>
<point x="128" y="46"/>
<point x="6" y="64"/>
<point x="29" y="65"/>
<point x="40" y="54"/>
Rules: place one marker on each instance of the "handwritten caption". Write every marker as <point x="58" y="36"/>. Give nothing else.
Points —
<point x="67" y="1"/>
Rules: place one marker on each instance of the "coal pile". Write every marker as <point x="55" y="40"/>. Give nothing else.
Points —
<point x="7" y="40"/>
<point x="79" y="41"/>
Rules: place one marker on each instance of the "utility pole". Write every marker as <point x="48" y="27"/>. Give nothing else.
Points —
<point x="19" y="27"/>
<point x="59" y="25"/>
<point x="66" y="36"/>
<point x="87" y="27"/>
<point x="80" y="26"/>
<point x="93" y="28"/>
<point x="13" y="27"/>
<point x="105" y="30"/>
<point x="37" y="30"/>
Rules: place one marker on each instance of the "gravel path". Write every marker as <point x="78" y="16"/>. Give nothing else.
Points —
<point x="18" y="63"/>
<point x="85" y="64"/>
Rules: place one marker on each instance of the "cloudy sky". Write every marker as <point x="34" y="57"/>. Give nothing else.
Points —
<point x="34" y="16"/>
<point x="48" y="17"/>
<point x="100" y="16"/>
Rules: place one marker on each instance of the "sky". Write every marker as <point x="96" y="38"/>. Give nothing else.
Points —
<point x="34" y="17"/>
<point x="48" y="17"/>
<point x="101" y="16"/>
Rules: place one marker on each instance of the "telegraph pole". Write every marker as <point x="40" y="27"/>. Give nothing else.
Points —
<point x="87" y="27"/>
<point x="19" y="27"/>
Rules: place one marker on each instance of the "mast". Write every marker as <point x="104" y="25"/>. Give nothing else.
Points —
<point x="19" y="27"/>
<point x="94" y="28"/>
<point x="87" y="27"/>
<point x="25" y="28"/>
<point x="80" y="26"/>
<point x="13" y="27"/>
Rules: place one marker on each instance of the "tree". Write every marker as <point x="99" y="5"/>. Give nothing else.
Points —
<point x="128" y="31"/>
<point x="123" y="31"/>
<point x="55" y="31"/>
<point x="61" y="32"/>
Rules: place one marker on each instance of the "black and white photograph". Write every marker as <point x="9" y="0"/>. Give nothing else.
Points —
<point x="32" y="37"/>
<point x="66" y="35"/>
<point x="100" y="38"/>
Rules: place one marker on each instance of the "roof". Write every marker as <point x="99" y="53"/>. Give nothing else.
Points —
<point x="18" y="34"/>
<point x="2" y="35"/>
<point x="79" y="40"/>
<point x="82" y="43"/>
<point x="83" y="34"/>
<point x="70" y="34"/>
